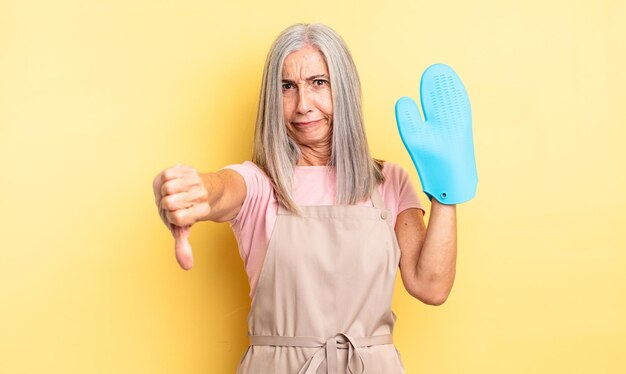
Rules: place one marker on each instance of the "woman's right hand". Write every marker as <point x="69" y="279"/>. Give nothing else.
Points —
<point x="181" y="200"/>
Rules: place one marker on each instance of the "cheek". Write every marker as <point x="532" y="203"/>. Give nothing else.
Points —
<point x="287" y="107"/>
<point x="328" y="104"/>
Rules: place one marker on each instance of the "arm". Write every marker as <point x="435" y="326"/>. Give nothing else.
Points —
<point x="183" y="197"/>
<point x="428" y="255"/>
<point x="442" y="150"/>
<point x="226" y="193"/>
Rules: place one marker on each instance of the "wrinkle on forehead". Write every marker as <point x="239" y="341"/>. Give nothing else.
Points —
<point x="304" y="63"/>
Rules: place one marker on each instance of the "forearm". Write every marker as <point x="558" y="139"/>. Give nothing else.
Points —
<point x="226" y="191"/>
<point x="214" y="189"/>
<point x="436" y="266"/>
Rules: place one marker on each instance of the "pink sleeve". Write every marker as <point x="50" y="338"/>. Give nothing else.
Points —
<point x="408" y="193"/>
<point x="398" y="192"/>
<point x="251" y="223"/>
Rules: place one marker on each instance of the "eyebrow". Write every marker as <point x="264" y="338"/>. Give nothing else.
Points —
<point x="312" y="77"/>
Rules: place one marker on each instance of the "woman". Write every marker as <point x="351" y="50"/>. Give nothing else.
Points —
<point x="321" y="226"/>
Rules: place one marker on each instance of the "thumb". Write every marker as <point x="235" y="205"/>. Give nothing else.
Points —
<point x="182" y="247"/>
<point x="409" y="121"/>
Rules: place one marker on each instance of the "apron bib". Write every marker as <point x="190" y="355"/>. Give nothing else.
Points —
<point x="323" y="300"/>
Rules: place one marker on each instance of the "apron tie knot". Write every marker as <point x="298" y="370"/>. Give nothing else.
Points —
<point x="329" y="353"/>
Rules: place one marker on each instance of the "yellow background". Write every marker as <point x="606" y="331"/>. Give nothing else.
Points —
<point x="97" y="97"/>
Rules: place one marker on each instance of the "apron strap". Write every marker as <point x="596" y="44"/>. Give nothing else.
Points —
<point x="282" y="211"/>
<point x="377" y="200"/>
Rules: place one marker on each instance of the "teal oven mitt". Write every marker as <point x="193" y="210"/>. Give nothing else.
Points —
<point x="441" y="146"/>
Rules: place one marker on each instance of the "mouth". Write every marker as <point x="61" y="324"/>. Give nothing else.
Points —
<point x="309" y="123"/>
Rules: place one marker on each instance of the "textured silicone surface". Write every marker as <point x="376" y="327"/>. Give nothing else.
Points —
<point x="441" y="146"/>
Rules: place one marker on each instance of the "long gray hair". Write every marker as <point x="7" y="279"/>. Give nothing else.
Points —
<point x="277" y="154"/>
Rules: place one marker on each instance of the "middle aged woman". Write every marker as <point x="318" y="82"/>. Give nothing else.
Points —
<point x="321" y="225"/>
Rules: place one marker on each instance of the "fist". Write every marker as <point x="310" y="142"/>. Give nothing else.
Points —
<point x="181" y="200"/>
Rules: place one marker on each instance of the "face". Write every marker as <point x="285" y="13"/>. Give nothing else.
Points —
<point x="307" y="99"/>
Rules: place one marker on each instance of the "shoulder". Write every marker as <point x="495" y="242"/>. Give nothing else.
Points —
<point x="398" y="190"/>
<point x="252" y="174"/>
<point x="394" y="173"/>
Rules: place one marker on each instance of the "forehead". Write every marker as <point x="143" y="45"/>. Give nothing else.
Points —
<point x="304" y="62"/>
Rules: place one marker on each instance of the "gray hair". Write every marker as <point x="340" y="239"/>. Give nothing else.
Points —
<point x="277" y="154"/>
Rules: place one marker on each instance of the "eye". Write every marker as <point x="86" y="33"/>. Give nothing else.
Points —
<point x="320" y="82"/>
<point x="287" y="86"/>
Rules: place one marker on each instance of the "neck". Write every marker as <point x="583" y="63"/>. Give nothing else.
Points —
<point x="314" y="156"/>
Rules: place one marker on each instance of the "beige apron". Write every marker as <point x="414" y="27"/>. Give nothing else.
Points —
<point x="323" y="300"/>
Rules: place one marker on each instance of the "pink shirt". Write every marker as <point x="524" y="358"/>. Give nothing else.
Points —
<point x="313" y="185"/>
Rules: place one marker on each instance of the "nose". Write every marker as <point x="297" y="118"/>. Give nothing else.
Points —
<point x="304" y="101"/>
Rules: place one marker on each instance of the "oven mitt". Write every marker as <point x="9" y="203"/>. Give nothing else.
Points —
<point x="441" y="146"/>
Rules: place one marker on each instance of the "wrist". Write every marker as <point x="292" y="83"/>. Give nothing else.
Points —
<point x="439" y="205"/>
